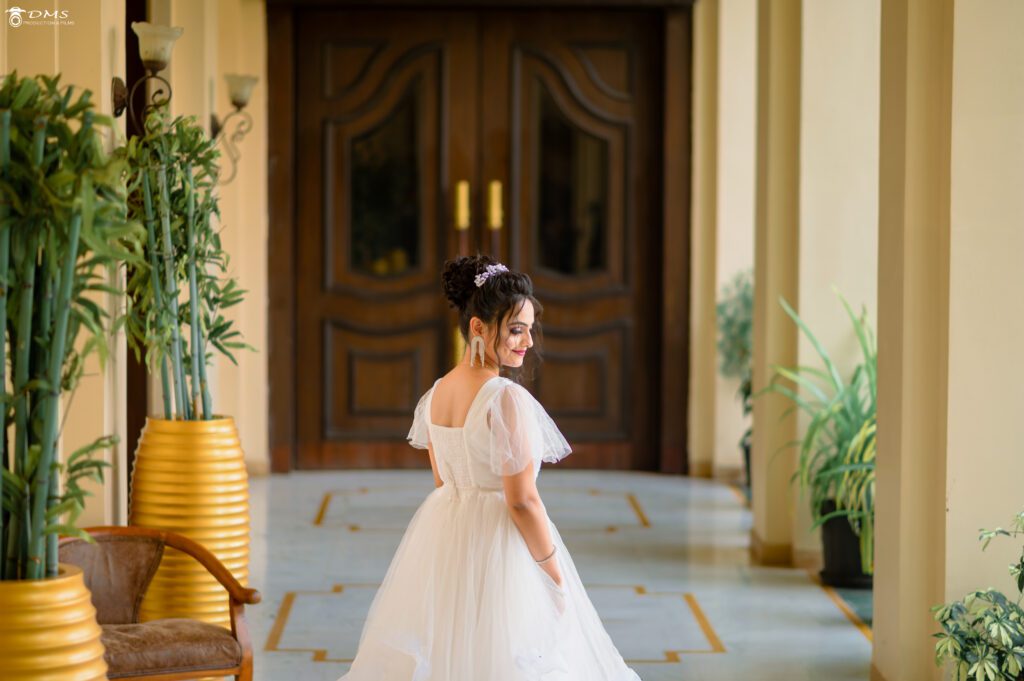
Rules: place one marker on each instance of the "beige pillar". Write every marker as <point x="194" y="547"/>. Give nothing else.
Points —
<point x="775" y="267"/>
<point x="838" y="197"/>
<point x="734" y="251"/>
<point x="913" y="319"/>
<point x="703" y="354"/>
<point x="951" y="272"/>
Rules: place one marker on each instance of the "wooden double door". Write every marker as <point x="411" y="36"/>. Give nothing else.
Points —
<point x="530" y="135"/>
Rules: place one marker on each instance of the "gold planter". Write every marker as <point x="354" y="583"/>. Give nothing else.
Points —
<point x="48" y="630"/>
<point x="190" y="478"/>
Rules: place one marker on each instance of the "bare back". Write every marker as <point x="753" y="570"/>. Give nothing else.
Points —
<point x="454" y="395"/>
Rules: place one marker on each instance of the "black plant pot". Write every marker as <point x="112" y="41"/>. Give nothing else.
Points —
<point x="841" y="548"/>
<point x="746" y="465"/>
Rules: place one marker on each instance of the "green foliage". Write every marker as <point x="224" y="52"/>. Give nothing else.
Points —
<point x="157" y="323"/>
<point x="837" y="451"/>
<point x="735" y="313"/>
<point x="983" y="634"/>
<point x="63" y="234"/>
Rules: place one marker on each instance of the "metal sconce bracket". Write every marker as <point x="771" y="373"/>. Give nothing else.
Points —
<point x="231" y="140"/>
<point x="121" y="98"/>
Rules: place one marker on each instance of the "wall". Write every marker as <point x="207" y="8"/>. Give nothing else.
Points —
<point x="244" y="210"/>
<point x="735" y="236"/>
<point x="838" y="190"/>
<point x="986" y="278"/>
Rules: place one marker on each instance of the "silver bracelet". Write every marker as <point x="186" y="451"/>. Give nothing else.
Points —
<point x="550" y="555"/>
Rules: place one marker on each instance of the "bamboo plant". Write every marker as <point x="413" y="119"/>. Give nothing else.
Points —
<point x="836" y="459"/>
<point x="63" y="231"/>
<point x="183" y="283"/>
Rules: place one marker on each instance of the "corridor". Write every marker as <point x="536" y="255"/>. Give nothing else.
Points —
<point x="664" y="560"/>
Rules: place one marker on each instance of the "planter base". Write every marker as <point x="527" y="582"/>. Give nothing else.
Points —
<point x="48" y="630"/>
<point x="190" y="478"/>
<point x="841" y="553"/>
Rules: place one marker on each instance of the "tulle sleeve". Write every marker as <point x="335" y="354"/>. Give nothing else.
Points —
<point x="419" y="434"/>
<point x="521" y="432"/>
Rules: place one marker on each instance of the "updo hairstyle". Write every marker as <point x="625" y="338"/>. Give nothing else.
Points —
<point x="501" y="294"/>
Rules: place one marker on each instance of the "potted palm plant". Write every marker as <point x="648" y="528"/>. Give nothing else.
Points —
<point x="836" y="462"/>
<point x="63" y="228"/>
<point x="189" y="475"/>
<point x="735" y="313"/>
<point x="983" y="633"/>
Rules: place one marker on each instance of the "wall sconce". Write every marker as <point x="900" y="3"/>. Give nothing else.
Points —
<point x="239" y="90"/>
<point x="155" y="43"/>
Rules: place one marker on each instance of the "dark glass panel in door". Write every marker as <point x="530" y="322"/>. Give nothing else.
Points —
<point x="573" y="189"/>
<point x="385" y="193"/>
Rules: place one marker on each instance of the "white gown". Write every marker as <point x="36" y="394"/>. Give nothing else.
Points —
<point x="463" y="599"/>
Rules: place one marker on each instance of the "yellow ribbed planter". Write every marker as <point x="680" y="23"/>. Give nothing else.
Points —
<point x="48" y="630"/>
<point x="190" y="478"/>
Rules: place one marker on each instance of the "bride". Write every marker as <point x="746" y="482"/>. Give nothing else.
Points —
<point x="481" y="587"/>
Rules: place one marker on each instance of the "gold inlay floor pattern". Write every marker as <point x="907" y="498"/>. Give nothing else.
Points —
<point x="284" y="613"/>
<point x="629" y="497"/>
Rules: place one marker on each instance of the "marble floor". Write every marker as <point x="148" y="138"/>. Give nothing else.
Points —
<point x="664" y="559"/>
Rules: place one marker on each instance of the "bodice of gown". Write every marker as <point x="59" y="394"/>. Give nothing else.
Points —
<point x="505" y="430"/>
<point x="453" y="459"/>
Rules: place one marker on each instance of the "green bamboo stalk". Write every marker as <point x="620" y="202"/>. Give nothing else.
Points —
<point x="193" y="292"/>
<point x="182" y="376"/>
<point x="43" y="352"/>
<point x="48" y="452"/>
<point x="24" y="346"/>
<point x="158" y="298"/>
<point x="207" y="398"/>
<point x="171" y="290"/>
<point x="5" y="254"/>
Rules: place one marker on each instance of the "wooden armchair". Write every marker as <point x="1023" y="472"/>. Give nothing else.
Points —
<point x="118" y="569"/>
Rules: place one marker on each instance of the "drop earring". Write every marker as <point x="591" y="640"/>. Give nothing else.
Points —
<point x="476" y="345"/>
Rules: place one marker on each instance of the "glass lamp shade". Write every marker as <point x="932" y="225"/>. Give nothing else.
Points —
<point x="240" y="88"/>
<point x="155" y="43"/>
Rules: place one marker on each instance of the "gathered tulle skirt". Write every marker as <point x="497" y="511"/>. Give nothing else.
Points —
<point x="463" y="600"/>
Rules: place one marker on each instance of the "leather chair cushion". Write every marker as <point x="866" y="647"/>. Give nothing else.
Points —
<point x="117" y="571"/>
<point x="168" y="645"/>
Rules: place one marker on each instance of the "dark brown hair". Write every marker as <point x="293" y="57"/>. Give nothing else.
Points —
<point x="502" y="294"/>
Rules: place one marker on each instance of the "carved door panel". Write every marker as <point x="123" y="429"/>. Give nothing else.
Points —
<point x="571" y="115"/>
<point x="379" y="141"/>
<point x="393" y="110"/>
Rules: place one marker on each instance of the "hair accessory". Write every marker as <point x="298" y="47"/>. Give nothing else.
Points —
<point x="488" y="272"/>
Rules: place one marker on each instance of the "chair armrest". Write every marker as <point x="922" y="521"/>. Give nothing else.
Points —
<point x="235" y="590"/>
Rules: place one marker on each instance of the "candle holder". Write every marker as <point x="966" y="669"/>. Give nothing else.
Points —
<point x="239" y="90"/>
<point x="155" y="45"/>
